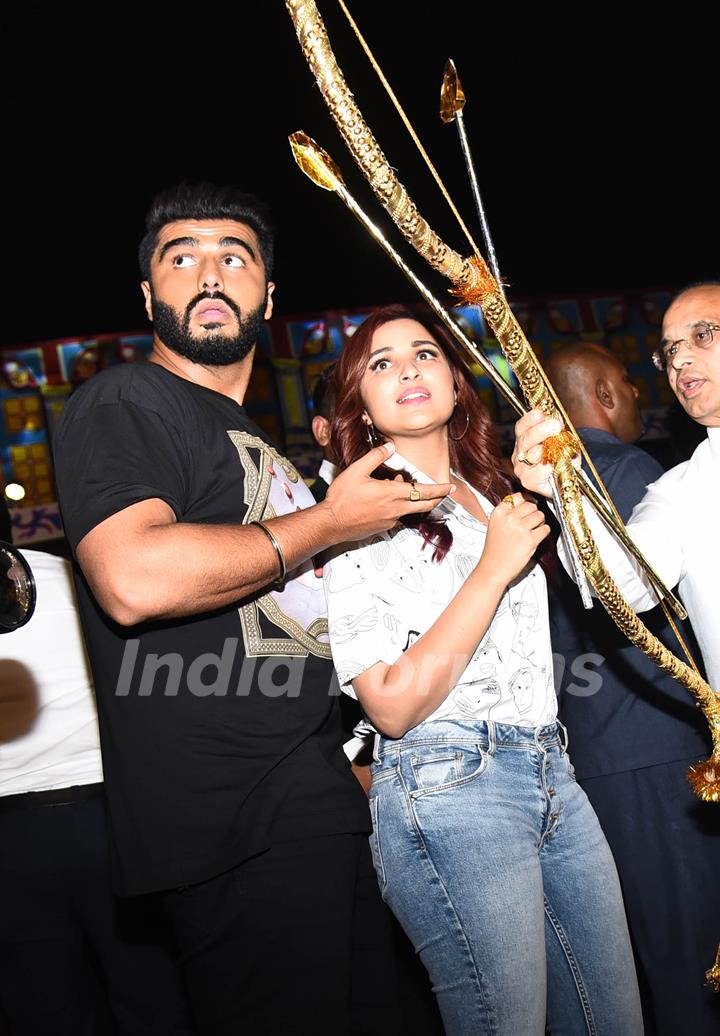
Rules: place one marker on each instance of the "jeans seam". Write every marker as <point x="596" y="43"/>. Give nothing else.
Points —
<point x="574" y="969"/>
<point x="482" y="992"/>
<point x="377" y="851"/>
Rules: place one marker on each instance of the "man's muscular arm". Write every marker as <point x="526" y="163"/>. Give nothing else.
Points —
<point x="142" y="564"/>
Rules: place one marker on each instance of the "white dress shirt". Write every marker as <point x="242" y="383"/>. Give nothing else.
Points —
<point x="48" y="720"/>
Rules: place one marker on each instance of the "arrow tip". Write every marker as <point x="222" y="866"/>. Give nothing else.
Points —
<point x="314" y="162"/>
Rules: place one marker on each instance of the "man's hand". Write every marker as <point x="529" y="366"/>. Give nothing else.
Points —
<point x="531" y="431"/>
<point x="362" y="505"/>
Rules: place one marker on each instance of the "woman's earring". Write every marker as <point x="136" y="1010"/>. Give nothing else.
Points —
<point x="371" y="434"/>
<point x="457" y="438"/>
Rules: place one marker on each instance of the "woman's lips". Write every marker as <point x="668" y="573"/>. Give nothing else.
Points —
<point x="414" y="396"/>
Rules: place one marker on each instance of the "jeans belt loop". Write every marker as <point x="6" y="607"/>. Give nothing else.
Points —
<point x="492" y="737"/>
<point x="376" y="748"/>
<point x="538" y="743"/>
<point x="565" y="737"/>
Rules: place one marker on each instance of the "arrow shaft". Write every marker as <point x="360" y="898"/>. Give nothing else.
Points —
<point x="487" y="237"/>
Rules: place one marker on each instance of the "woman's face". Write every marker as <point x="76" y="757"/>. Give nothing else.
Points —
<point x="407" y="387"/>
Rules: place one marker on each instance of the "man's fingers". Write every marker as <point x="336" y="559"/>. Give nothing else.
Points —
<point x="530" y="441"/>
<point x="530" y="432"/>
<point x="374" y="458"/>
<point x="428" y="494"/>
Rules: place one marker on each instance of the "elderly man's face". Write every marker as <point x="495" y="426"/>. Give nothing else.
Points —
<point x="694" y="374"/>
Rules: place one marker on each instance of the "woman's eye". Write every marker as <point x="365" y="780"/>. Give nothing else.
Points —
<point x="426" y="354"/>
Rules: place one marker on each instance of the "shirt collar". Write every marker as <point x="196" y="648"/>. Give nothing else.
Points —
<point x="445" y="506"/>
<point x="714" y="440"/>
<point x="327" y="471"/>
<point x="598" y="435"/>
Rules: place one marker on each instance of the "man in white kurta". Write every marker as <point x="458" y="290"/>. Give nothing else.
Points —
<point x="676" y="523"/>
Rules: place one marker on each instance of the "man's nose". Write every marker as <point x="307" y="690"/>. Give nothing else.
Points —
<point x="210" y="277"/>
<point x="683" y="354"/>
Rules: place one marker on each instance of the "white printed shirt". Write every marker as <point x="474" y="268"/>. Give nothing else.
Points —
<point x="385" y="592"/>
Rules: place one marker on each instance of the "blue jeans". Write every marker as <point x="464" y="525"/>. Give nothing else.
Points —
<point x="493" y="861"/>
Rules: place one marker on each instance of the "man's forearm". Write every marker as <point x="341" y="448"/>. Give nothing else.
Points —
<point x="169" y="570"/>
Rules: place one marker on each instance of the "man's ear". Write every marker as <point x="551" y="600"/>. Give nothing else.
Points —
<point x="604" y="394"/>
<point x="269" y="305"/>
<point x="321" y="430"/>
<point x="145" y="286"/>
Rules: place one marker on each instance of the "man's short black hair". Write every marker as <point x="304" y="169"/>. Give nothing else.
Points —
<point x="323" y="396"/>
<point x="203" y="200"/>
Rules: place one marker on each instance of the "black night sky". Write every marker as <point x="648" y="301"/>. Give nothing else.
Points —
<point x="594" y="130"/>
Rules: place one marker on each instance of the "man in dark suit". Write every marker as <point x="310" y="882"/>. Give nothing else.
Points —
<point x="634" y="732"/>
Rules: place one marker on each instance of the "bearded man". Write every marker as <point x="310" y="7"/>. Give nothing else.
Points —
<point x="229" y="794"/>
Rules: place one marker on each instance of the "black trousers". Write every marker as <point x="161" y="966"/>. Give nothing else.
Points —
<point x="293" y="941"/>
<point x="75" y="960"/>
<point x="666" y="844"/>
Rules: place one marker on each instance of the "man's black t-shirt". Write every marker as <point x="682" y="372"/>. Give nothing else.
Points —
<point x="220" y="732"/>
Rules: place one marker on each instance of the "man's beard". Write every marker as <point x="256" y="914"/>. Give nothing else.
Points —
<point x="215" y="349"/>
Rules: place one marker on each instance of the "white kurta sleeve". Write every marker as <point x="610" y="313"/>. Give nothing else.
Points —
<point x="653" y="528"/>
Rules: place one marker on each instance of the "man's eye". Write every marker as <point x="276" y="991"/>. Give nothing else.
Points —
<point x="182" y="261"/>
<point x="233" y="261"/>
<point x="702" y="337"/>
<point x="670" y="351"/>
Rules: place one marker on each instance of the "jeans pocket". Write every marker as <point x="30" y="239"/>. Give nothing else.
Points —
<point x="375" y="843"/>
<point x="444" y="769"/>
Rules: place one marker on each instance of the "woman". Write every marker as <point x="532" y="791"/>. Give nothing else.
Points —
<point x="485" y="848"/>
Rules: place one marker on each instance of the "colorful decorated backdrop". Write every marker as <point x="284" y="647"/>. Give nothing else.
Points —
<point x="38" y="378"/>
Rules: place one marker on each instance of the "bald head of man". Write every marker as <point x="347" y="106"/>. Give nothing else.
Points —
<point x="595" y="389"/>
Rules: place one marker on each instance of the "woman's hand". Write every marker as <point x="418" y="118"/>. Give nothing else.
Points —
<point x="514" y="531"/>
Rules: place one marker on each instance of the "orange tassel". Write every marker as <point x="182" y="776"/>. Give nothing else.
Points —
<point x="705" y="780"/>
<point x="713" y="974"/>
<point x="558" y="446"/>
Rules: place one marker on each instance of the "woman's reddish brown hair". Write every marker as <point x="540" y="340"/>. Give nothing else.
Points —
<point x="475" y="455"/>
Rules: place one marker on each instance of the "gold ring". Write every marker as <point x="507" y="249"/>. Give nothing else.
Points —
<point x="523" y="459"/>
<point x="414" y="492"/>
<point x="509" y="499"/>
